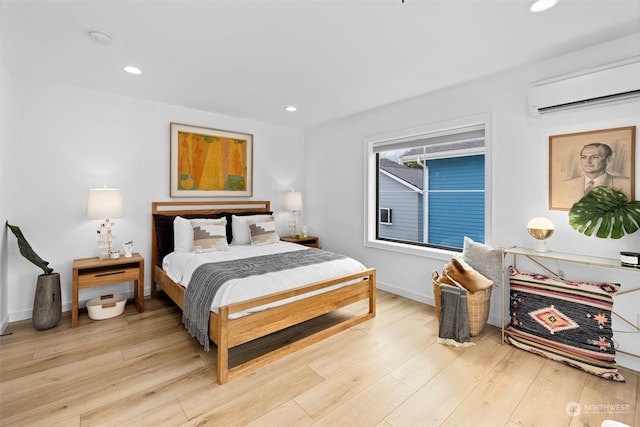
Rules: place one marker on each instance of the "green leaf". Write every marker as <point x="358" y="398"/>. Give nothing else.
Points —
<point x="608" y="210"/>
<point x="27" y="251"/>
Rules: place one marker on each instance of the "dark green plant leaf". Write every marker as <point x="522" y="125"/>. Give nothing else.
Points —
<point x="27" y="251"/>
<point x="606" y="211"/>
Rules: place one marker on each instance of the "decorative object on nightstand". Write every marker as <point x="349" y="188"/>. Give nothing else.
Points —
<point x="105" y="204"/>
<point x="128" y="249"/>
<point x="540" y="229"/>
<point x="293" y="202"/>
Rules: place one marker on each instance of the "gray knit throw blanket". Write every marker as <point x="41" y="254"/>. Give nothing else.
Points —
<point x="454" y="317"/>
<point x="208" y="278"/>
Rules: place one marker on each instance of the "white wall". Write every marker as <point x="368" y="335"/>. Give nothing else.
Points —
<point x="519" y="154"/>
<point x="5" y="102"/>
<point x="67" y="139"/>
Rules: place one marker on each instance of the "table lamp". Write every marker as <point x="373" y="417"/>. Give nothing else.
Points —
<point x="293" y="202"/>
<point x="540" y="229"/>
<point x="105" y="204"/>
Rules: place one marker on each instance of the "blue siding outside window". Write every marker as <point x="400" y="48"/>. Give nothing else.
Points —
<point x="457" y="173"/>
<point x="456" y="200"/>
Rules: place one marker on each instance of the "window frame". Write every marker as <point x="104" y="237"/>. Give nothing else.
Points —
<point x="371" y="171"/>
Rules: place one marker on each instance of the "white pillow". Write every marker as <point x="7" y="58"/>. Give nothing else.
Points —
<point x="182" y="235"/>
<point x="240" y="228"/>
<point x="484" y="259"/>
<point x="209" y="235"/>
<point x="263" y="231"/>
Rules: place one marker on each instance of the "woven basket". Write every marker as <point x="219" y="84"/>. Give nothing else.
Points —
<point x="477" y="303"/>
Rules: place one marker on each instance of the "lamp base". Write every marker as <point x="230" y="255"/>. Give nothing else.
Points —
<point x="105" y="238"/>
<point x="293" y="223"/>
<point x="541" y="246"/>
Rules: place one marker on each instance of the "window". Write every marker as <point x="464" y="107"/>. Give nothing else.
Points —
<point x="385" y="216"/>
<point x="433" y="179"/>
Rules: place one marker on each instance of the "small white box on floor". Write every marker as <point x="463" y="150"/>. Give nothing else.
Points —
<point x="106" y="306"/>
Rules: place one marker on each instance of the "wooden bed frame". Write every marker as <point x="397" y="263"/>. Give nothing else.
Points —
<point x="227" y="333"/>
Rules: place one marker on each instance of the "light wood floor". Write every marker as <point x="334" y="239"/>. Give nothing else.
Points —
<point x="145" y="369"/>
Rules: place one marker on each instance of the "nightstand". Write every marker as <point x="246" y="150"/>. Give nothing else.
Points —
<point x="94" y="272"/>
<point x="311" y="241"/>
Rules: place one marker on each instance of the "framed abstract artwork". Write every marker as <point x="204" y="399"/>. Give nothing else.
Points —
<point x="580" y="161"/>
<point x="210" y="162"/>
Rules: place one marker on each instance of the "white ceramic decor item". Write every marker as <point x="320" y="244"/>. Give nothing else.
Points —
<point x="128" y="249"/>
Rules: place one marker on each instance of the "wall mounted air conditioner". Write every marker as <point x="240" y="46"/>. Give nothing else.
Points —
<point x="611" y="83"/>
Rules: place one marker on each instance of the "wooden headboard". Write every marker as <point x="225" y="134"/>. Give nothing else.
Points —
<point x="163" y="213"/>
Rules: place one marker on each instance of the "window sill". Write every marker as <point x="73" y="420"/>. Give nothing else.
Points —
<point x="421" y="251"/>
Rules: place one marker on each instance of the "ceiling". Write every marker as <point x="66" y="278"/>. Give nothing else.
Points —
<point x="330" y="58"/>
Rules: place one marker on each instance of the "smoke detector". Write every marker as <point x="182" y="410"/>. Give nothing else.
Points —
<point x="100" y="37"/>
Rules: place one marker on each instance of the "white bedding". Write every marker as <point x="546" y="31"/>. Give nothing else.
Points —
<point x="179" y="266"/>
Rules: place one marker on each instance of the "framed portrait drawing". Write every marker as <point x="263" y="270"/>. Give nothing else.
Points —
<point x="580" y="161"/>
<point x="210" y="162"/>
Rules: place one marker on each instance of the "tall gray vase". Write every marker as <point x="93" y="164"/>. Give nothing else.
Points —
<point x="47" y="304"/>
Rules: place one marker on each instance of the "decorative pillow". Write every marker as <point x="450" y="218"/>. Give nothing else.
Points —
<point x="569" y="322"/>
<point x="209" y="235"/>
<point x="484" y="259"/>
<point x="165" y="237"/>
<point x="263" y="231"/>
<point x="182" y="235"/>
<point x="462" y="273"/>
<point x="240" y="228"/>
<point x="230" y="223"/>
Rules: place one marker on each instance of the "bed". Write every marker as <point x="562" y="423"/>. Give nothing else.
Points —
<point x="238" y="322"/>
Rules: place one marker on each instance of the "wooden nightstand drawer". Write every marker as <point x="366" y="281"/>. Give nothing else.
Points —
<point x="100" y="277"/>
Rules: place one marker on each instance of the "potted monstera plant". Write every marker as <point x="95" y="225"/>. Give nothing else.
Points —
<point x="606" y="211"/>
<point x="47" y="305"/>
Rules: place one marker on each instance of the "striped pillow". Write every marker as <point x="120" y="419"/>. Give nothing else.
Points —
<point x="263" y="231"/>
<point x="209" y="235"/>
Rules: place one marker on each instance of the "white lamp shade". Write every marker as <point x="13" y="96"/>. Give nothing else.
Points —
<point x="292" y="201"/>
<point x="104" y="203"/>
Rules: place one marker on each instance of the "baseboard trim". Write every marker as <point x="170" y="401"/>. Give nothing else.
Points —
<point x="494" y="318"/>
<point x="17" y="316"/>
<point x="415" y="296"/>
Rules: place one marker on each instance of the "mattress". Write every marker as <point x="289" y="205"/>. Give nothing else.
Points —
<point x="179" y="266"/>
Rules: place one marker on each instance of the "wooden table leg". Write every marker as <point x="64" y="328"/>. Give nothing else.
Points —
<point x="74" y="299"/>
<point x="140" y="289"/>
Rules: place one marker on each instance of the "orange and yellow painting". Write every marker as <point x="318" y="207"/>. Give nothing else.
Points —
<point x="210" y="162"/>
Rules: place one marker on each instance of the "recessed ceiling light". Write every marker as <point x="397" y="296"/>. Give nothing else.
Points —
<point x="541" y="5"/>
<point x="132" y="70"/>
<point x="291" y="108"/>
